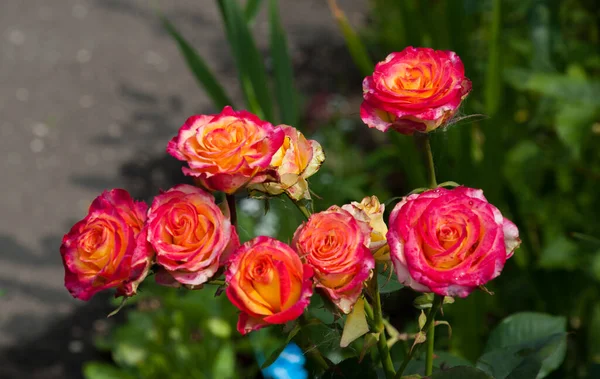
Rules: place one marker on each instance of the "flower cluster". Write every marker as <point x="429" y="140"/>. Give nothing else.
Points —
<point x="446" y="241"/>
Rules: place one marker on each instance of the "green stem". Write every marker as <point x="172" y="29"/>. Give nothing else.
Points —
<point x="424" y="144"/>
<point x="430" y="343"/>
<point x="303" y="209"/>
<point x="216" y="282"/>
<point x="305" y="206"/>
<point x="384" y="351"/>
<point x="369" y="311"/>
<point x="232" y="209"/>
<point x="429" y="324"/>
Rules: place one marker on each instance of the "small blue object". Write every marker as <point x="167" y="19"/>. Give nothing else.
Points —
<point x="289" y="365"/>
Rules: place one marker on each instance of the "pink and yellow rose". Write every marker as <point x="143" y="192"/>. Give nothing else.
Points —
<point x="107" y="249"/>
<point x="336" y="245"/>
<point x="373" y="210"/>
<point x="267" y="281"/>
<point x="227" y="151"/>
<point x="296" y="160"/>
<point x="449" y="241"/>
<point x="417" y="89"/>
<point x="191" y="236"/>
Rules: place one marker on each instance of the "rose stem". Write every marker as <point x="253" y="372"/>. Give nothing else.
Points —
<point x="302" y="206"/>
<point x="430" y="345"/>
<point x="422" y="140"/>
<point x="384" y="351"/>
<point x="429" y="325"/>
<point x="232" y="209"/>
<point x="216" y="282"/>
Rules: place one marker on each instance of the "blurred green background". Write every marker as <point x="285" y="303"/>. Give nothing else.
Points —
<point x="532" y="146"/>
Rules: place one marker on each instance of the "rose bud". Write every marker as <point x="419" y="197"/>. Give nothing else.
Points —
<point x="373" y="210"/>
<point x="296" y="160"/>
<point x="449" y="241"/>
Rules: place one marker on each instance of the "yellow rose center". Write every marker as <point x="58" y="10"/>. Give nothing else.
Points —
<point x="448" y="235"/>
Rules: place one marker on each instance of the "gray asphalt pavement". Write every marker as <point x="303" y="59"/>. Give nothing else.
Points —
<point x="89" y="88"/>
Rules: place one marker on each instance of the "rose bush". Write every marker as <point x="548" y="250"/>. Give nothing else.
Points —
<point x="296" y="160"/>
<point x="107" y="249"/>
<point x="227" y="151"/>
<point x="268" y="283"/>
<point x="417" y="89"/>
<point x="191" y="236"/>
<point x="336" y="245"/>
<point x="449" y="241"/>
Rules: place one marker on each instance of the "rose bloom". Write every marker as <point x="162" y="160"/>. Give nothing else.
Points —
<point x="417" y="89"/>
<point x="336" y="245"/>
<point x="267" y="281"/>
<point x="107" y="249"/>
<point x="225" y="152"/>
<point x="373" y="210"/>
<point x="296" y="160"/>
<point x="449" y="241"/>
<point x="190" y="235"/>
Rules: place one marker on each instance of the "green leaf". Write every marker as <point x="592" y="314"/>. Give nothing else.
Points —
<point x="285" y="91"/>
<point x="199" y="68"/>
<point x="573" y="124"/>
<point x="322" y="309"/>
<point x="252" y="9"/>
<point x="461" y="372"/>
<point x="525" y="336"/>
<point x="444" y="360"/>
<point x="351" y="368"/>
<point x="560" y="254"/>
<point x="357" y="49"/>
<point x="248" y="60"/>
<point x="388" y="284"/>
<point x="224" y="366"/>
<point x="97" y="370"/>
<point x="275" y="354"/>
<point x="557" y="86"/>
<point x="356" y="324"/>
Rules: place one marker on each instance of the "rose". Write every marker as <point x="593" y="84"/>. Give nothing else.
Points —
<point x="267" y="281"/>
<point x="336" y="245"/>
<point x="107" y="249"/>
<point x="373" y="210"/>
<point x="227" y="151"/>
<point x="296" y="160"/>
<point x="190" y="235"/>
<point x="449" y="241"/>
<point x="417" y="89"/>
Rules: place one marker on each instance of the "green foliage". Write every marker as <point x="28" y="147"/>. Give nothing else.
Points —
<point x="525" y="342"/>
<point x="535" y="69"/>
<point x="175" y="334"/>
<point x="199" y="68"/>
<point x="461" y="372"/>
<point x="285" y="90"/>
